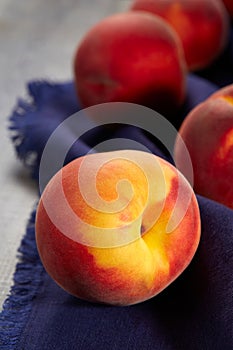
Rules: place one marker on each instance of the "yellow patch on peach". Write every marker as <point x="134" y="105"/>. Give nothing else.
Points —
<point x="136" y="260"/>
<point x="111" y="188"/>
<point x="149" y="247"/>
<point x="225" y="145"/>
<point x="228" y="99"/>
<point x="117" y="186"/>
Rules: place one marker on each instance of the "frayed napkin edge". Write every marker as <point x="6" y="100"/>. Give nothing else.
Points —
<point x="26" y="282"/>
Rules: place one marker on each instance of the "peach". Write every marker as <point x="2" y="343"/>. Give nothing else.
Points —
<point x="131" y="57"/>
<point x="106" y="227"/>
<point x="202" y="26"/>
<point x="208" y="134"/>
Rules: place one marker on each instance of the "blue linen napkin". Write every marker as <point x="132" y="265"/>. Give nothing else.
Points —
<point x="195" y="312"/>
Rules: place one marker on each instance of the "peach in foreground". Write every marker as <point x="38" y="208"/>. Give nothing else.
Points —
<point x="106" y="230"/>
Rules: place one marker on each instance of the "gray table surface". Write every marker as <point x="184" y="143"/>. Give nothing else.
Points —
<point x="38" y="39"/>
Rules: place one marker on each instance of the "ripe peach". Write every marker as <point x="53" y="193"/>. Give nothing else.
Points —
<point x="131" y="57"/>
<point x="202" y="26"/>
<point x="208" y="134"/>
<point x="106" y="229"/>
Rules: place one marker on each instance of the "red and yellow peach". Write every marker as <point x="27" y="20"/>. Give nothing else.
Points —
<point x="202" y="26"/>
<point x="208" y="134"/>
<point x="139" y="192"/>
<point x="131" y="57"/>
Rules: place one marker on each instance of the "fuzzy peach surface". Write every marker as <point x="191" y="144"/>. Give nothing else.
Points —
<point x="128" y="273"/>
<point x="208" y="134"/>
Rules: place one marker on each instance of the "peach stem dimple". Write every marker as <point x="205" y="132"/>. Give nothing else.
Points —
<point x="142" y="229"/>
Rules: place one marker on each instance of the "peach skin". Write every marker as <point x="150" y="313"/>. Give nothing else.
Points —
<point x="117" y="227"/>
<point x="131" y="57"/>
<point x="208" y="134"/>
<point x="229" y="6"/>
<point x="202" y="26"/>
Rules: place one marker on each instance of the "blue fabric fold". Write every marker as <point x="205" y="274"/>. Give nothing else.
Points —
<point x="51" y="103"/>
<point x="194" y="312"/>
